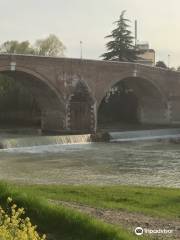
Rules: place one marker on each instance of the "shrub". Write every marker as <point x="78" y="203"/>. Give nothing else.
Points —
<point x="13" y="226"/>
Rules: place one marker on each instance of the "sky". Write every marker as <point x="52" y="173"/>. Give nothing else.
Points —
<point x="90" y="21"/>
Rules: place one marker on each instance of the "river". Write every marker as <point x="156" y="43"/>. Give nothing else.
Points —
<point x="147" y="164"/>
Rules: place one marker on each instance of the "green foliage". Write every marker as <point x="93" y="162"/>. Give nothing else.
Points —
<point x="172" y="69"/>
<point x="50" y="46"/>
<point x="121" y="47"/>
<point x="161" y="64"/>
<point x="17" y="47"/>
<point x="14" y="96"/>
<point x="17" y="105"/>
<point x="178" y="68"/>
<point x="14" y="226"/>
<point x="119" y="105"/>
<point x="163" y="202"/>
<point x="7" y="85"/>
<point x="60" y="222"/>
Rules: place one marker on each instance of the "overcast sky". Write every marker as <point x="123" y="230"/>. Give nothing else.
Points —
<point x="91" y="20"/>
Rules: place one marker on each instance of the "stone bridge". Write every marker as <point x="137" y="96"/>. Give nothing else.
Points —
<point x="70" y="91"/>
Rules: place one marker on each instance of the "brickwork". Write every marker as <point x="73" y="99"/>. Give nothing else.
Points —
<point x="54" y="81"/>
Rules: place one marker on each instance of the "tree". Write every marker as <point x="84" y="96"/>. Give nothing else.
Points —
<point x="173" y="69"/>
<point x="178" y="68"/>
<point x="17" y="47"/>
<point x="121" y="47"/>
<point x="161" y="64"/>
<point x="50" y="46"/>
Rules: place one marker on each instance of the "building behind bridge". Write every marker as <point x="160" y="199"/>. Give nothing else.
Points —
<point x="147" y="55"/>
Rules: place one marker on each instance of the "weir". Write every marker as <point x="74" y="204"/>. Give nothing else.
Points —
<point x="142" y="135"/>
<point x="30" y="141"/>
<point x="31" y="138"/>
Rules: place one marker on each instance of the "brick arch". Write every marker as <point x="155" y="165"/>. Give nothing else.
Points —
<point x="35" y="74"/>
<point x="152" y="102"/>
<point x="132" y="74"/>
<point x="47" y="97"/>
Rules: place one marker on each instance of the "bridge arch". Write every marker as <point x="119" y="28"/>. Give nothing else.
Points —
<point x="51" y="105"/>
<point x="133" y="99"/>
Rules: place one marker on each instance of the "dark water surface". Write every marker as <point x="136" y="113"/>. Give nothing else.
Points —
<point x="148" y="163"/>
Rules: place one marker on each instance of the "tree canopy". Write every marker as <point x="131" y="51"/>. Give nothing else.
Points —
<point x="17" y="47"/>
<point x="50" y="46"/>
<point x="161" y="64"/>
<point x="178" y="68"/>
<point x="121" y="47"/>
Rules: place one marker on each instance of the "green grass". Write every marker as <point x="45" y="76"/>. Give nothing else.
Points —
<point x="68" y="224"/>
<point x="162" y="202"/>
<point x="62" y="223"/>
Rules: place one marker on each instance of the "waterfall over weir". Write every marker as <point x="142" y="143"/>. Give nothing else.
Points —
<point x="30" y="141"/>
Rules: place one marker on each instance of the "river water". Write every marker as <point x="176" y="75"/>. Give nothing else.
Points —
<point x="148" y="163"/>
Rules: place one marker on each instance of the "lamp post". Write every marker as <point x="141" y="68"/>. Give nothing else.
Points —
<point x="81" y="50"/>
<point x="169" y="60"/>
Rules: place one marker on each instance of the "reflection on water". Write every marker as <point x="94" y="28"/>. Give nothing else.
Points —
<point x="96" y="163"/>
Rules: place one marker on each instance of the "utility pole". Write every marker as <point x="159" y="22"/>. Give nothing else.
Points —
<point x="169" y="60"/>
<point x="81" y="50"/>
<point x="135" y="33"/>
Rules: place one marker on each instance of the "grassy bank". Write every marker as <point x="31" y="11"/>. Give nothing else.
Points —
<point x="162" y="202"/>
<point x="63" y="223"/>
<point x="56" y="221"/>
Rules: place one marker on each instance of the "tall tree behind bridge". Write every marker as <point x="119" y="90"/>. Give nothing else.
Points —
<point x="121" y="47"/>
<point x="50" y="46"/>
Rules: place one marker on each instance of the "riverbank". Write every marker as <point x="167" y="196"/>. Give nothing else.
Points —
<point x="92" y="212"/>
<point x="58" y="221"/>
<point x="151" y="201"/>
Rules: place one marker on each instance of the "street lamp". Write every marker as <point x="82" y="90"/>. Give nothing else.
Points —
<point x="81" y="52"/>
<point x="169" y="60"/>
